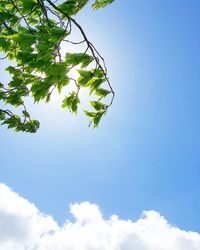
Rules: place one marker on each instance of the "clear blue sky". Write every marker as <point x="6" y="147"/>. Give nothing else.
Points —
<point x="145" y="155"/>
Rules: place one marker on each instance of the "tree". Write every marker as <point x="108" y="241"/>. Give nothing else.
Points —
<point x="32" y="33"/>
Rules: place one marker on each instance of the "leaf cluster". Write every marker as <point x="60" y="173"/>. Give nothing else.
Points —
<point x="31" y="35"/>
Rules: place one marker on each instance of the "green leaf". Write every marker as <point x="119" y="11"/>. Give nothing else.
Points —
<point x="14" y="98"/>
<point x="48" y="97"/>
<point x="25" y="113"/>
<point x="63" y="81"/>
<point x="97" y="118"/>
<point x="57" y="31"/>
<point x="99" y="73"/>
<point x="4" y="44"/>
<point x="90" y="114"/>
<point x="2" y="115"/>
<point x="28" y="5"/>
<point x="68" y="7"/>
<point x="40" y="89"/>
<point x="85" y="77"/>
<point x="2" y="95"/>
<point x="57" y="69"/>
<point x="25" y="38"/>
<point x="75" y="103"/>
<point x="71" y="102"/>
<point x="98" y="105"/>
<point x="86" y="73"/>
<point x="95" y="84"/>
<point x="71" y="7"/>
<point x="102" y="92"/>
<point x="78" y="58"/>
<point x="13" y="70"/>
<point x="101" y="3"/>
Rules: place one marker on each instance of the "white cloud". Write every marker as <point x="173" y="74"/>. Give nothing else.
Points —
<point x="23" y="227"/>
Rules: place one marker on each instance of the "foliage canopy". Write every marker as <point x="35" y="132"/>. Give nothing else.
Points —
<point x="32" y="33"/>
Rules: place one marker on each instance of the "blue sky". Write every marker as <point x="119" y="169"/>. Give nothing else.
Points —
<point x="145" y="155"/>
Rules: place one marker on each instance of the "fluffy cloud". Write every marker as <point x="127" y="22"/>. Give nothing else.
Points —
<point x="23" y="227"/>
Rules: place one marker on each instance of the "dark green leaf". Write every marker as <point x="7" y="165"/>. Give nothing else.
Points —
<point x="98" y="105"/>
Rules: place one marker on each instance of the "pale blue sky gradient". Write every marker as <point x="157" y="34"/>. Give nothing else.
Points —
<point x="145" y="155"/>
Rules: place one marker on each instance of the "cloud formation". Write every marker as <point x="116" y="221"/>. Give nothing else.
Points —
<point x="23" y="227"/>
